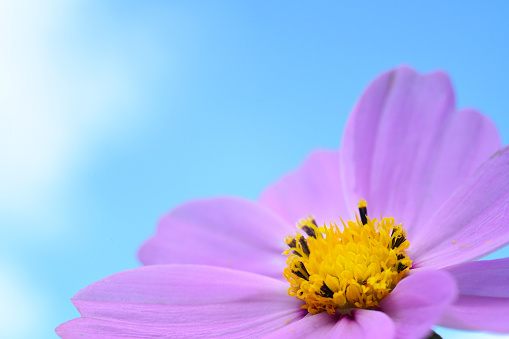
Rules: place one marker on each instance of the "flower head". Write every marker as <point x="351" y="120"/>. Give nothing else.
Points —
<point x="337" y="270"/>
<point x="438" y="195"/>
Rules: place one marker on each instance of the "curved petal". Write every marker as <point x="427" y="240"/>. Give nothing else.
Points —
<point x="483" y="301"/>
<point x="177" y="301"/>
<point x="472" y="222"/>
<point x="418" y="301"/>
<point x="225" y="232"/>
<point x="405" y="149"/>
<point x="313" y="189"/>
<point x="363" y="324"/>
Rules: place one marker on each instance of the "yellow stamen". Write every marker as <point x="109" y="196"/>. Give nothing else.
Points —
<point x="335" y="269"/>
<point x="362" y="203"/>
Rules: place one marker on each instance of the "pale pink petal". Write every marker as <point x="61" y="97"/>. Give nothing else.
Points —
<point x="472" y="222"/>
<point x="225" y="232"/>
<point x="363" y="324"/>
<point x="177" y="301"/>
<point x="418" y="301"/>
<point x="483" y="301"/>
<point x="313" y="189"/>
<point x="405" y="149"/>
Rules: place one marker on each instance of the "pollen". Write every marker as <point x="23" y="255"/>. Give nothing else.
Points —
<point x="336" y="269"/>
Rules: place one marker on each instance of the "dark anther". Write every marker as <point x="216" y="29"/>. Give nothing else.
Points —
<point x="396" y="241"/>
<point x="300" y="275"/>
<point x="363" y="211"/>
<point x="309" y="231"/>
<point x="304" y="245"/>
<point x="364" y="282"/>
<point x="401" y="267"/>
<point x="400" y="241"/>
<point x="400" y="256"/>
<point x="326" y="291"/>
<point x="313" y="221"/>
<point x="293" y="244"/>
<point x="304" y="268"/>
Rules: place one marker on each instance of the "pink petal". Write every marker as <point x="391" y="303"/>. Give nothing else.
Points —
<point x="363" y="324"/>
<point x="225" y="232"/>
<point x="178" y="301"/>
<point x="483" y="301"/>
<point x="472" y="223"/>
<point x="313" y="189"/>
<point x="405" y="149"/>
<point x="418" y="301"/>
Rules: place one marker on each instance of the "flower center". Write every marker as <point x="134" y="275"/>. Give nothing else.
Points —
<point x="335" y="270"/>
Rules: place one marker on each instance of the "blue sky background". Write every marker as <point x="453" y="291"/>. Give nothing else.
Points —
<point x="112" y="113"/>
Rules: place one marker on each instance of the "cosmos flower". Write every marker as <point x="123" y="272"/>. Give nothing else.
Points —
<point x="388" y="229"/>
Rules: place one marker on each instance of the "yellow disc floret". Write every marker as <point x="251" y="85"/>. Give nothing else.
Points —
<point x="335" y="269"/>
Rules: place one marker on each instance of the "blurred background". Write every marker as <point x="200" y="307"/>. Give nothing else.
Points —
<point x="113" y="112"/>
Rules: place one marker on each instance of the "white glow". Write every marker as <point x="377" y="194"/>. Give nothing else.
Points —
<point x="53" y="106"/>
<point x="32" y="135"/>
<point x="21" y="308"/>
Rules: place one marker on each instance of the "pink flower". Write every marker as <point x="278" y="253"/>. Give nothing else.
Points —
<point x="215" y="266"/>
